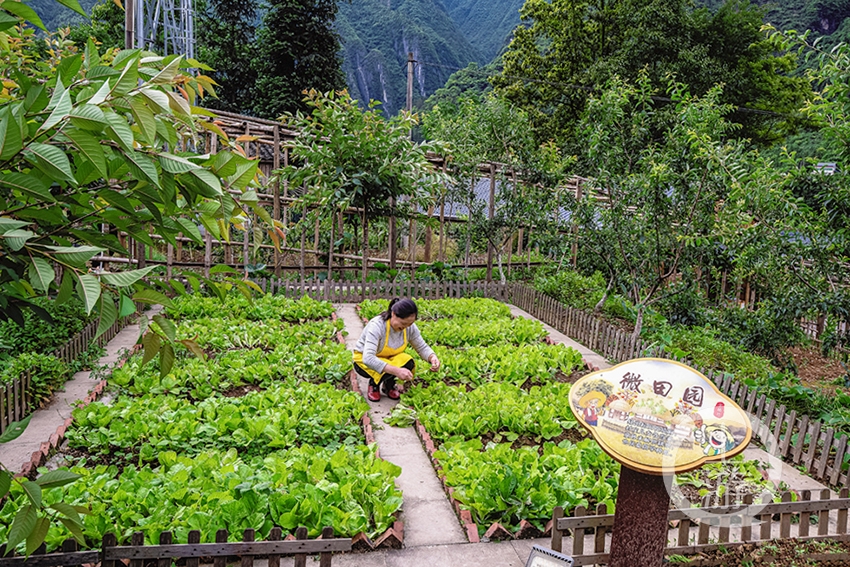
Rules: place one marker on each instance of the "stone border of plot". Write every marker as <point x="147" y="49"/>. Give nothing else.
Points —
<point x="393" y="538"/>
<point x="39" y="457"/>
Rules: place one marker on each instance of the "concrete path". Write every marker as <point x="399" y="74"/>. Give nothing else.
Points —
<point x="594" y="359"/>
<point x="428" y="517"/>
<point x="46" y="420"/>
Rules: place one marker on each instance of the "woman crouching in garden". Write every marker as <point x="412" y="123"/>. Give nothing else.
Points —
<point x="379" y="353"/>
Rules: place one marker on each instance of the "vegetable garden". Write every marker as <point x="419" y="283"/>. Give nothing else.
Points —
<point x="508" y="444"/>
<point x="259" y="431"/>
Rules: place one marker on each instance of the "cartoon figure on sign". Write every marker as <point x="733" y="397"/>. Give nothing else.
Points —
<point x="589" y="404"/>
<point x="715" y="439"/>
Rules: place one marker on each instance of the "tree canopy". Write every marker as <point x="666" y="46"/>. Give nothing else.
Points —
<point x="569" y="49"/>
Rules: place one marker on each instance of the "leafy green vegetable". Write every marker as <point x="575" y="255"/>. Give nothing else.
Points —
<point x="348" y="488"/>
<point x="497" y="483"/>
<point x="262" y="308"/>
<point x="474" y="307"/>
<point x="286" y="415"/>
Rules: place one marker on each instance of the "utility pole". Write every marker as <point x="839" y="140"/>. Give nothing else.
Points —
<point x="129" y="24"/>
<point x="411" y="233"/>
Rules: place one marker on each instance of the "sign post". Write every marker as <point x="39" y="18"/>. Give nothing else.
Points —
<point x="656" y="418"/>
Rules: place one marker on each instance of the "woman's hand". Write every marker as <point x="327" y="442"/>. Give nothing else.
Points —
<point x="435" y="362"/>
<point x="403" y="374"/>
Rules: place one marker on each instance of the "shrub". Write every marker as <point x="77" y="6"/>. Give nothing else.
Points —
<point x="48" y="374"/>
<point x="38" y="335"/>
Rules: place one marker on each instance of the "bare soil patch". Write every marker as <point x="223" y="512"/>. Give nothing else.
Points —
<point x="814" y="369"/>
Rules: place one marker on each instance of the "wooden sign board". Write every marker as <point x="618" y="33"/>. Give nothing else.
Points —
<point x="658" y="416"/>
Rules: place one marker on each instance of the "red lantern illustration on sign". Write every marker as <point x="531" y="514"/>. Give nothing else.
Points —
<point x="719" y="409"/>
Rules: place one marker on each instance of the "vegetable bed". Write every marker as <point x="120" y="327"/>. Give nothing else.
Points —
<point x="497" y="411"/>
<point x="508" y="443"/>
<point x="259" y="432"/>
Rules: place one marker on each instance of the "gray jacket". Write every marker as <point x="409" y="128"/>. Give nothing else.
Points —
<point x="373" y="337"/>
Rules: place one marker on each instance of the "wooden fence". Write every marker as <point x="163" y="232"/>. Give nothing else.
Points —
<point x="795" y="438"/>
<point x="715" y="527"/>
<point x="16" y="398"/>
<point x="166" y="553"/>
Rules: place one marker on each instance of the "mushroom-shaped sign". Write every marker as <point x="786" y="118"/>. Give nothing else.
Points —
<point x="659" y="416"/>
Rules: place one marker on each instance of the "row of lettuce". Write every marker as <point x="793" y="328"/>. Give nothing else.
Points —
<point x="497" y="410"/>
<point x="260" y="432"/>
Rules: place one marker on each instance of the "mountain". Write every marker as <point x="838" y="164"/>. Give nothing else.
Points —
<point x="54" y="15"/>
<point x="377" y="36"/>
<point x="487" y="24"/>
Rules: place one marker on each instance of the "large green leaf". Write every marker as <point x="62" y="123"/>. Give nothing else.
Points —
<point x="7" y="224"/>
<point x="127" y="306"/>
<point x="59" y="477"/>
<point x="11" y="141"/>
<point x="166" y="76"/>
<point x="42" y="274"/>
<point x="74" y="5"/>
<point x="128" y="80"/>
<point x="166" y="359"/>
<point x="157" y="99"/>
<point x="119" y="131"/>
<point x="76" y="256"/>
<point x="108" y="314"/>
<point x="33" y="492"/>
<point x="7" y="21"/>
<point x="167" y="327"/>
<point x="126" y="279"/>
<point x="176" y="164"/>
<point x="208" y="181"/>
<point x="151" y="343"/>
<point x="66" y="289"/>
<point x="15" y="429"/>
<point x="142" y="167"/>
<point x="101" y="94"/>
<point x="60" y="111"/>
<point x="145" y="119"/>
<point x="16" y="239"/>
<point x="190" y="229"/>
<point x="23" y="524"/>
<point x="90" y="148"/>
<point x="88" y="117"/>
<point x="88" y="290"/>
<point x="50" y="160"/>
<point x="37" y="535"/>
<point x="152" y="297"/>
<point x="22" y="10"/>
<point x="26" y="183"/>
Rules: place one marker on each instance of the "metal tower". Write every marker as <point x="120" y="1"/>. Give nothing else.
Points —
<point x="165" y="26"/>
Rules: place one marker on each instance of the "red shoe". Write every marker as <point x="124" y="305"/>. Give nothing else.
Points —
<point x="394" y="394"/>
<point x="373" y="393"/>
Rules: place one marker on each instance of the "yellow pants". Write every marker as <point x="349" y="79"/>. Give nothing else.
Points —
<point x="400" y="360"/>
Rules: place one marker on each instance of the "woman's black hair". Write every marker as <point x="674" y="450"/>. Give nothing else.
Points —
<point x="403" y="308"/>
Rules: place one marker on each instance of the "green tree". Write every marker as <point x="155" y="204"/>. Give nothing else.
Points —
<point x="226" y="36"/>
<point x="489" y="129"/>
<point x="570" y="48"/>
<point x="297" y="50"/>
<point x="470" y="82"/>
<point x="654" y="211"/>
<point x="106" y="26"/>
<point x="348" y="157"/>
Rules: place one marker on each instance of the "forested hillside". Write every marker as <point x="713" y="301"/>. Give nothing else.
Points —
<point x="377" y="36"/>
<point x="54" y="16"/>
<point x="487" y="24"/>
